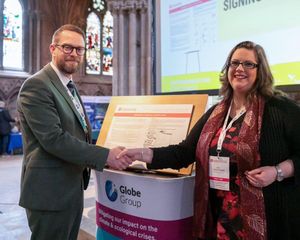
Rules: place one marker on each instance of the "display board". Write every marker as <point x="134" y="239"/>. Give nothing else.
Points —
<point x="198" y="101"/>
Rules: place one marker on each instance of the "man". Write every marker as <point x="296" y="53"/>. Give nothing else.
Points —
<point x="5" y="127"/>
<point x="57" y="149"/>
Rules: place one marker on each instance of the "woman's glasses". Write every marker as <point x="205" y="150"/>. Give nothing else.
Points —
<point x="246" y="65"/>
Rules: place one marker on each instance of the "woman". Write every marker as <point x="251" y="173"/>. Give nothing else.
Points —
<point x="247" y="154"/>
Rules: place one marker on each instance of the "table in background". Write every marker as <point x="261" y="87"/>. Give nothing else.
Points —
<point x="15" y="144"/>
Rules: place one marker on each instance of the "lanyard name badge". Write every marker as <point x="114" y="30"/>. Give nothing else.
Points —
<point x="79" y="109"/>
<point x="219" y="175"/>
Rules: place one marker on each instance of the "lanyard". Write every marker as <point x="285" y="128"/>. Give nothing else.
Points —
<point x="225" y="129"/>
<point x="79" y="109"/>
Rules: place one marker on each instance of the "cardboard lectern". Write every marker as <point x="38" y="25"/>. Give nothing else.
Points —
<point x="142" y="204"/>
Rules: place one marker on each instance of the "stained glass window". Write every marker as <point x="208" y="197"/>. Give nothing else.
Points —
<point x="93" y="55"/>
<point x="99" y="40"/>
<point x="107" y="44"/>
<point x="12" y="35"/>
<point x="98" y="5"/>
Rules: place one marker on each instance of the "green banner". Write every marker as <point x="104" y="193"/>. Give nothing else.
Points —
<point x="284" y="74"/>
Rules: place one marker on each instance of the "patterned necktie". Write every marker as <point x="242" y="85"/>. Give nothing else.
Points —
<point x="72" y="88"/>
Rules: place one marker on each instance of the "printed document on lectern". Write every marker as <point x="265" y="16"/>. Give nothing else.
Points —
<point x="153" y="125"/>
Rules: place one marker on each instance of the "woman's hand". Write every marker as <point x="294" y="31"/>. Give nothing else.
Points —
<point x="262" y="176"/>
<point x="141" y="154"/>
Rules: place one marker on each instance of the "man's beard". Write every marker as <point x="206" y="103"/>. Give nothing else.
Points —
<point x="67" y="67"/>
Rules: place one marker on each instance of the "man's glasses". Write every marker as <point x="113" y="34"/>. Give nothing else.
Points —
<point x="68" y="49"/>
<point x="246" y="65"/>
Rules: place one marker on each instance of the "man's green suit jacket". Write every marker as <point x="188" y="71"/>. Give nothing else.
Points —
<point x="55" y="148"/>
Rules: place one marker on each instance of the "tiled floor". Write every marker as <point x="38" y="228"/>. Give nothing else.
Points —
<point x="13" y="223"/>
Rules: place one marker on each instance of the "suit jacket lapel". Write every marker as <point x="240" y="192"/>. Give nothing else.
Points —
<point x="60" y="87"/>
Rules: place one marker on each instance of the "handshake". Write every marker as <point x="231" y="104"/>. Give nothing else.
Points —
<point x="119" y="158"/>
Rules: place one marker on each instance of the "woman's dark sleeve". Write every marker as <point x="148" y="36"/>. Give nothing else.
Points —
<point x="292" y="116"/>
<point x="182" y="154"/>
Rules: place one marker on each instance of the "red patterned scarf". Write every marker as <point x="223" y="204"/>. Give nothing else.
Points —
<point x="248" y="158"/>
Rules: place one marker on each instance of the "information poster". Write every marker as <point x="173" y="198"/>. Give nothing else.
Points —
<point x="146" y="125"/>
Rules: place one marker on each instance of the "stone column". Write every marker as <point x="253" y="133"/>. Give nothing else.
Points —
<point x="115" y="78"/>
<point x="149" y="51"/>
<point x="38" y="40"/>
<point x="143" y="75"/>
<point x="132" y="67"/>
<point x="123" y="73"/>
<point x="33" y="17"/>
<point x="30" y="19"/>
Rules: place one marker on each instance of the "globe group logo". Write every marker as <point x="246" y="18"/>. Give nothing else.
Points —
<point x="111" y="191"/>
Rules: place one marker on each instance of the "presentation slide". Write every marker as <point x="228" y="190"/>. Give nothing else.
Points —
<point x="195" y="37"/>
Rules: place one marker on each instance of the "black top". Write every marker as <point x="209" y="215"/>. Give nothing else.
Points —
<point x="280" y="140"/>
<point x="5" y="120"/>
<point x="225" y="205"/>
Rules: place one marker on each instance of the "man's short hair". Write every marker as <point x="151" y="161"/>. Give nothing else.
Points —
<point x="67" y="27"/>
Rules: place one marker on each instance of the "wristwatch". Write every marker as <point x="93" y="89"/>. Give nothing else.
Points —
<point x="280" y="175"/>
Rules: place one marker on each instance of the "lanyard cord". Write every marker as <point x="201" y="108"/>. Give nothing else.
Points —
<point x="79" y="109"/>
<point x="225" y="129"/>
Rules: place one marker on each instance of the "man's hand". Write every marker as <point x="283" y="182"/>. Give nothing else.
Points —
<point x="118" y="162"/>
<point x="141" y="154"/>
